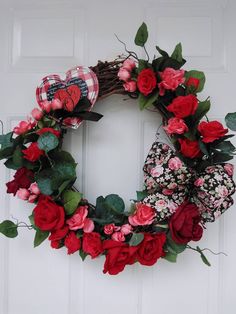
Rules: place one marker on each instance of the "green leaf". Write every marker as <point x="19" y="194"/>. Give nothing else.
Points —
<point x="177" y="53"/>
<point x="146" y="101"/>
<point x="115" y="203"/>
<point x="10" y="164"/>
<point x="142" y="64"/>
<point x="171" y="63"/>
<point x="71" y="201"/>
<point x="63" y="186"/>
<point x="100" y="207"/>
<point x="6" y="152"/>
<point x="198" y="75"/>
<point x="220" y="157"/>
<point x="230" y="120"/>
<point x="44" y="181"/>
<point x="61" y="156"/>
<point x="9" y="229"/>
<point x="226" y="147"/>
<point x="136" y="239"/>
<point x="40" y="236"/>
<point x="17" y="157"/>
<point x="31" y="219"/>
<point x="6" y="140"/>
<point x="203" y="257"/>
<point x="141" y="195"/>
<point x="174" y="247"/>
<point x="171" y="257"/>
<point x="141" y="36"/>
<point x="203" y="148"/>
<point x="190" y="135"/>
<point x="162" y="52"/>
<point x="223" y="138"/>
<point x="202" y="109"/>
<point x="47" y="141"/>
<point x="205" y="260"/>
<point x="65" y="171"/>
<point x="82" y="254"/>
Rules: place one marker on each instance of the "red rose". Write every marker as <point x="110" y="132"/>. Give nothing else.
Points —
<point x="143" y="215"/>
<point x="176" y="126"/>
<point x="211" y="131"/>
<point x="92" y="244"/>
<point x="183" y="106"/>
<point x="48" y="216"/>
<point x="184" y="224"/>
<point x="193" y="81"/>
<point x="33" y="152"/>
<point x="151" y="248"/>
<point x="189" y="148"/>
<point x="119" y="254"/>
<point x="55" y="244"/>
<point x="51" y="130"/>
<point x="58" y="235"/>
<point x="22" y="179"/>
<point x="146" y="81"/>
<point x="72" y="243"/>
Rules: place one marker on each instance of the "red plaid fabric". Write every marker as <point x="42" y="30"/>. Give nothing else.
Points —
<point x="90" y="79"/>
<point x="47" y="82"/>
<point x="85" y="78"/>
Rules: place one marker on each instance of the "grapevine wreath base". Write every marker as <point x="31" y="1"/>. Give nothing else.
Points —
<point x="184" y="187"/>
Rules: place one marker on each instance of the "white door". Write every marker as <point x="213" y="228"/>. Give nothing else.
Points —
<point x="44" y="37"/>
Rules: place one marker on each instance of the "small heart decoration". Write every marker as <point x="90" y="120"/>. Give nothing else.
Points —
<point x="82" y="78"/>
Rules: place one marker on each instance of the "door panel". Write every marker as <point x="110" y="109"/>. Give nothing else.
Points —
<point x="39" y="38"/>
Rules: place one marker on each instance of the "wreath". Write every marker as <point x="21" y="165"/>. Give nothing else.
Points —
<point x="186" y="184"/>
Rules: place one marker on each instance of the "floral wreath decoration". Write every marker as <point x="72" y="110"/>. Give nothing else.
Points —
<point x="184" y="188"/>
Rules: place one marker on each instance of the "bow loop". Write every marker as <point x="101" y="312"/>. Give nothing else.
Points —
<point x="212" y="191"/>
<point x="166" y="179"/>
<point x="169" y="182"/>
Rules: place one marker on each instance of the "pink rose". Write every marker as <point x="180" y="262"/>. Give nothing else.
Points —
<point x="210" y="169"/>
<point x="144" y="215"/>
<point x="229" y="168"/>
<point x="167" y="191"/>
<point x="34" y="189"/>
<point x="222" y="191"/>
<point x="126" y="229"/>
<point x="161" y="204"/>
<point x="172" y="206"/>
<point x="157" y="171"/>
<point x="124" y="74"/>
<point x="176" y="126"/>
<point x="129" y="64"/>
<point x="130" y="86"/>
<point x="56" y="104"/>
<point x="199" y="182"/>
<point x="32" y="198"/>
<point x="109" y="229"/>
<point x="172" y="186"/>
<point x="175" y="163"/>
<point x="77" y="221"/>
<point x="23" y="127"/>
<point x="118" y="236"/>
<point x="88" y="225"/>
<point x="171" y="79"/>
<point x="46" y="106"/>
<point x="37" y="114"/>
<point x="23" y="194"/>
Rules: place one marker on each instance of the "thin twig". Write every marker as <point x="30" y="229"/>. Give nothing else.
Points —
<point x="132" y="53"/>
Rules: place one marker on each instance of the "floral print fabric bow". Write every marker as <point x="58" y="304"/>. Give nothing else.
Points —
<point x="169" y="182"/>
